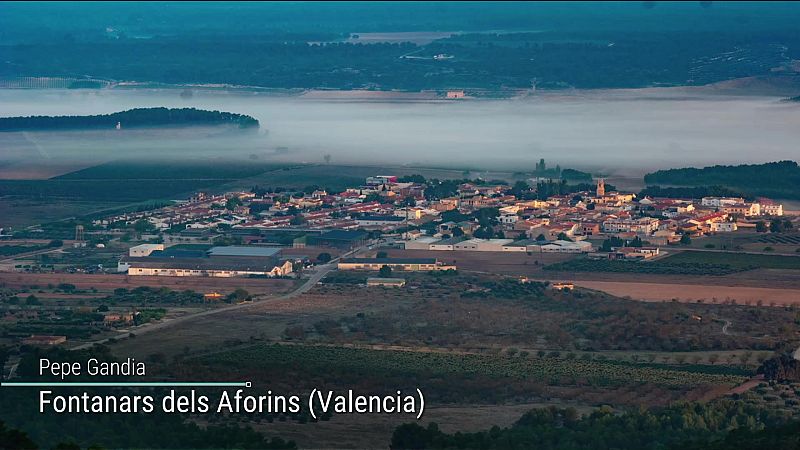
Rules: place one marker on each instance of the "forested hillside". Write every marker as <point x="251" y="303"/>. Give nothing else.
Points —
<point x="775" y="179"/>
<point x="132" y="118"/>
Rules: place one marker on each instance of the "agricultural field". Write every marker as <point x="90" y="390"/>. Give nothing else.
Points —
<point x="661" y="267"/>
<point x="779" y="396"/>
<point x="740" y="261"/>
<point x="483" y="313"/>
<point x="118" y="183"/>
<point x="317" y="360"/>
<point x="789" y="239"/>
<point x="108" y="282"/>
<point x="20" y="212"/>
<point x="696" y="293"/>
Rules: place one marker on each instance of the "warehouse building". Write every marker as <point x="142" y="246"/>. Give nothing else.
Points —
<point x="227" y="261"/>
<point x="401" y="264"/>
<point x="341" y="239"/>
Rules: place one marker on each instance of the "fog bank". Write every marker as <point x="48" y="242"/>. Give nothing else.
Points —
<point x="627" y="131"/>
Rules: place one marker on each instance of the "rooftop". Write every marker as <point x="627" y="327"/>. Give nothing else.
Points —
<point x="389" y="260"/>
<point x="241" y="250"/>
<point x="221" y="263"/>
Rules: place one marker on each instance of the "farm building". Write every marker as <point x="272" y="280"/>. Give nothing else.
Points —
<point x="402" y="264"/>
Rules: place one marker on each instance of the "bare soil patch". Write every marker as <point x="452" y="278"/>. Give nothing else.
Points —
<point x="658" y="292"/>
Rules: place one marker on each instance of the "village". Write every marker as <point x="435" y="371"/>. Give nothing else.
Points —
<point x="389" y="225"/>
<point x="396" y="212"/>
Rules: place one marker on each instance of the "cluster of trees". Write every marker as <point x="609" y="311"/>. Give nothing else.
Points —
<point x="688" y="425"/>
<point x="781" y="368"/>
<point x="689" y="192"/>
<point x="549" y="188"/>
<point x="775" y="179"/>
<point x="614" y="242"/>
<point x="775" y="226"/>
<point x="132" y="118"/>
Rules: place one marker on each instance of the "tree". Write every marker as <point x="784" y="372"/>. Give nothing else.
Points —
<point x="373" y="197"/>
<point x="520" y="188"/>
<point x="56" y="243"/>
<point x="381" y="254"/>
<point x="563" y="237"/>
<point x="776" y="226"/>
<point x="385" y="271"/>
<point x="324" y="257"/>
<point x="327" y="158"/>
<point x="409" y="202"/>
<point x="32" y="300"/>
<point x="686" y="239"/>
<point x="761" y="227"/>
<point x="232" y="203"/>
<point x="484" y="233"/>
<point x="541" y="238"/>
<point x="143" y="226"/>
<point x="238" y="295"/>
<point x="66" y="287"/>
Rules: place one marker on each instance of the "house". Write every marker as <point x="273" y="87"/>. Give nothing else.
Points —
<point x="721" y="201"/>
<point x="742" y="209"/>
<point x="589" y="228"/>
<point x="644" y="225"/>
<point x="113" y="318"/>
<point x="724" y="227"/>
<point x="770" y="208"/>
<point x="508" y="218"/>
<point x="633" y="253"/>
<point x="452" y="95"/>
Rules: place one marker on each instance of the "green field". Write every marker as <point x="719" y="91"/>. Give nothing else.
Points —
<point x="736" y="260"/>
<point x="663" y="267"/>
<point x="325" y="360"/>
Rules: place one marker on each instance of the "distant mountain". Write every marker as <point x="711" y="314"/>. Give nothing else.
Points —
<point x="793" y="99"/>
<point x="132" y="118"/>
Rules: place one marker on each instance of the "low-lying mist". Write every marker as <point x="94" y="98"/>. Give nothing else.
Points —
<point x="629" y="131"/>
